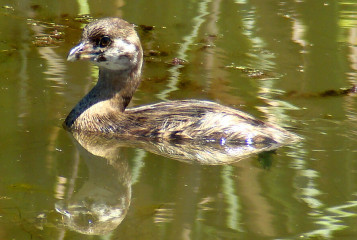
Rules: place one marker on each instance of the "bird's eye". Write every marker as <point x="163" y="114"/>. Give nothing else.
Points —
<point x="104" y="41"/>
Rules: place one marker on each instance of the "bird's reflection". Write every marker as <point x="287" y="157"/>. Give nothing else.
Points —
<point x="101" y="204"/>
<point x="205" y="152"/>
<point x="103" y="201"/>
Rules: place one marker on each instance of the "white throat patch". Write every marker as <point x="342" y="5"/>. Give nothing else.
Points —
<point x="120" y="55"/>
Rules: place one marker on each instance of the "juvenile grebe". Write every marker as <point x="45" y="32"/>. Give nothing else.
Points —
<point x="114" y="46"/>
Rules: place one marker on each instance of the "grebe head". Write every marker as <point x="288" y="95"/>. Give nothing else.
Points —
<point x="110" y="43"/>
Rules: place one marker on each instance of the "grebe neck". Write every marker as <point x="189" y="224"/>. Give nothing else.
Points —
<point x="111" y="94"/>
<point x="117" y="87"/>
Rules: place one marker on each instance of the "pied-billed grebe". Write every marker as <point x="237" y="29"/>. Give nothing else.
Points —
<point x="114" y="46"/>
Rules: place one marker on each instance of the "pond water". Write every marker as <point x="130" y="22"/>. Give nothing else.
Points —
<point x="282" y="61"/>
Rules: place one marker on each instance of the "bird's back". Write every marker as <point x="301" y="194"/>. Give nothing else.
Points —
<point x="200" y="121"/>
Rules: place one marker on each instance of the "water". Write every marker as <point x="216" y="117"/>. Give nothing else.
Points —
<point x="273" y="59"/>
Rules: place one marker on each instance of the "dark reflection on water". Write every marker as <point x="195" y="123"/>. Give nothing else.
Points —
<point x="245" y="54"/>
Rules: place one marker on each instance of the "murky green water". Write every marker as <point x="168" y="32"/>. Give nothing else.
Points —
<point x="273" y="59"/>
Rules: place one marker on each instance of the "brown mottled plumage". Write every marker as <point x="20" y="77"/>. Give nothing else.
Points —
<point x="113" y="45"/>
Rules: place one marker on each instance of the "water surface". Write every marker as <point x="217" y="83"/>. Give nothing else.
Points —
<point x="273" y="59"/>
